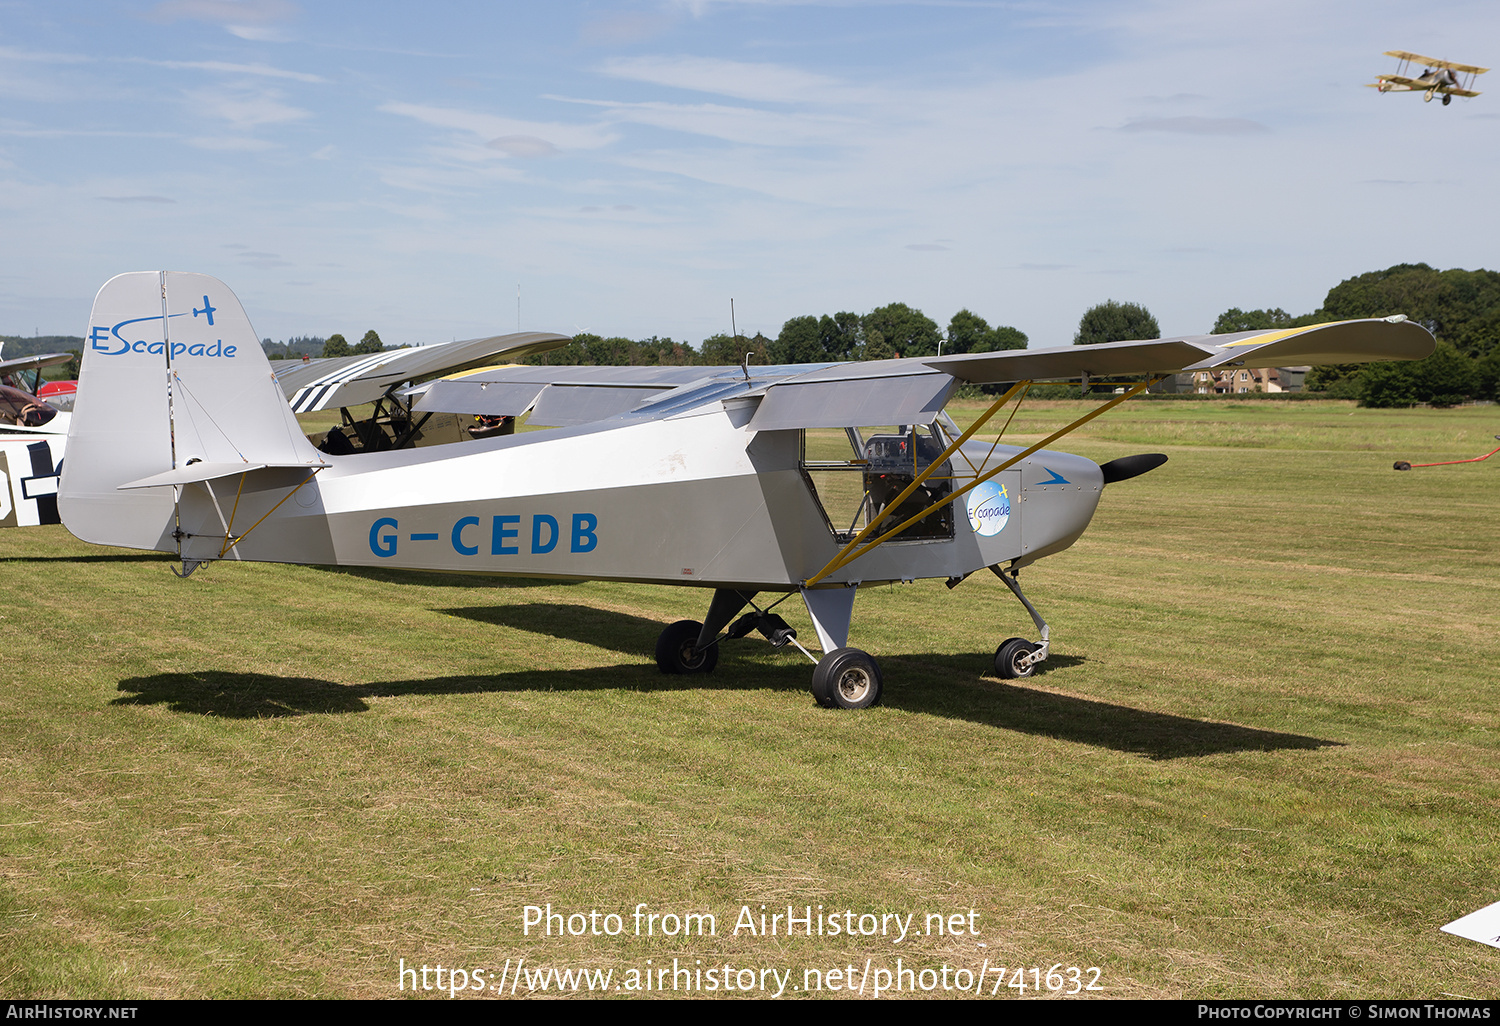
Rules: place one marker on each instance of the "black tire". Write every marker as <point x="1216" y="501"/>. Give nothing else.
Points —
<point x="677" y="651"/>
<point x="1007" y="657"/>
<point x="847" y="678"/>
<point x="1402" y="465"/>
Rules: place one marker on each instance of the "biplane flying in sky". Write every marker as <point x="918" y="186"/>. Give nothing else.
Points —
<point x="1442" y="78"/>
<point x="724" y="479"/>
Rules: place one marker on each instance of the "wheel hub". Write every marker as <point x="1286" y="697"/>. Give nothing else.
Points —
<point x="854" y="684"/>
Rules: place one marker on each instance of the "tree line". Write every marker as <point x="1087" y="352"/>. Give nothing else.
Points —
<point x="884" y="333"/>
<point x="1461" y="308"/>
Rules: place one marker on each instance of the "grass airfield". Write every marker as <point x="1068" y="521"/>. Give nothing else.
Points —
<point x="1263" y="761"/>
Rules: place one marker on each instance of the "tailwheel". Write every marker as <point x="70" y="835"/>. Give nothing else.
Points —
<point x="677" y="649"/>
<point x="847" y="678"/>
<point x="1010" y="659"/>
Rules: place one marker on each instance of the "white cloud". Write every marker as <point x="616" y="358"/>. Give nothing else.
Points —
<point x="733" y="124"/>
<point x="264" y="70"/>
<point x="522" y="146"/>
<point x="224" y="12"/>
<point x="230" y="143"/>
<point x="489" y="126"/>
<point x="766" y="82"/>
<point x="1196" y="126"/>
<point x="617" y="29"/>
<point x="245" y="108"/>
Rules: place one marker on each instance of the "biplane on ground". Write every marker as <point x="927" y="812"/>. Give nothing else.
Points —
<point x="32" y="434"/>
<point x="706" y="477"/>
<point x="34" y="420"/>
<point x="345" y="383"/>
<point x="1443" y="78"/>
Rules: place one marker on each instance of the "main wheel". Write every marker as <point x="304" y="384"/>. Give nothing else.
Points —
<point x="677" y="649"/>
<point x="1447" y="99"/>
<point x="847" y="678"/>
<point x="1008" y="659"/>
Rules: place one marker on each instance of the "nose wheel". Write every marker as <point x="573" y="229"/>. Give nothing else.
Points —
<point x="1017" y="658"/>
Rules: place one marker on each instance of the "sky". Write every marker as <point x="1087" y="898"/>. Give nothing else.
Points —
<point x="628" y="168"/>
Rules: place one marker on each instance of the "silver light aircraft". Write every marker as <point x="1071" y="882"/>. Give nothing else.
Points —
<point x="183" y="442"/>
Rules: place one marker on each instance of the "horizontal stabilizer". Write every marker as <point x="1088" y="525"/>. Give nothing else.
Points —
<point x="202" y="471"/>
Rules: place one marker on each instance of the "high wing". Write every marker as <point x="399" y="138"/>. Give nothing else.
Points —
<point x="909" y="391"/>
<point x="1360" y="341"/>
<point x="21" y="363"/>
<point x="315" y="385"/>
<point x="1433" y="62"/>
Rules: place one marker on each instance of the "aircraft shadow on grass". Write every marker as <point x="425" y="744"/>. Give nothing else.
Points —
<point x="956" y="687"/>
<point x="453" y="580"/>
<point x="129" y="557"/>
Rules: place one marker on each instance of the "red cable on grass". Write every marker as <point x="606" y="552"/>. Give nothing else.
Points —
<point x="1403" y="465"/>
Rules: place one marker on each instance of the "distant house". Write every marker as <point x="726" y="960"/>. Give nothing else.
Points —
<point x="1236" y="380"/>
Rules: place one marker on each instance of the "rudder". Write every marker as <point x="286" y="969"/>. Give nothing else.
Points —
<point x="172" y="375"/>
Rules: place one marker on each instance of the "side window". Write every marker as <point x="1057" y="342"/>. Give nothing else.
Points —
<point x="854" y="482"/>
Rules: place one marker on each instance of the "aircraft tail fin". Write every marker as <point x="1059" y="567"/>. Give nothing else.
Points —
<point x="172" y="376"/>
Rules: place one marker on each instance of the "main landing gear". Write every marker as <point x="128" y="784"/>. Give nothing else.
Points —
<point x="845" y="678"/>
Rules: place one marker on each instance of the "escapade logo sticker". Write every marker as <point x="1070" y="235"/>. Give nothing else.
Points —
<point x="102" y="340"/>
<point x="989" y="509"/>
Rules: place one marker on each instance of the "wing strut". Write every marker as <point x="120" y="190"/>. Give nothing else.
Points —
<point x="848" y="553"/>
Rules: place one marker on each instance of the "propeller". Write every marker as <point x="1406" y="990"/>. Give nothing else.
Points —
<point x="1126" y="467"/>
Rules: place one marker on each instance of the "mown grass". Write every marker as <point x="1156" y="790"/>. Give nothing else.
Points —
<point x="1262" y="761"/>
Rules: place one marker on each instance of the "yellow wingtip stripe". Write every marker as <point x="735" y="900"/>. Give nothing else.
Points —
<point x="1277" y="336"/>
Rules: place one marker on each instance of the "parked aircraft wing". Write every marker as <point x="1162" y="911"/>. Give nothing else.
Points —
<point x="909" y="391"/>
<point x="563" y="396"/>
<point x="352" y="380"/>
<point x="1071" y="361"/>
<point x="1360" y="341"/>
<point x="851" y="395"/>
<point x="27" y="363"/>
